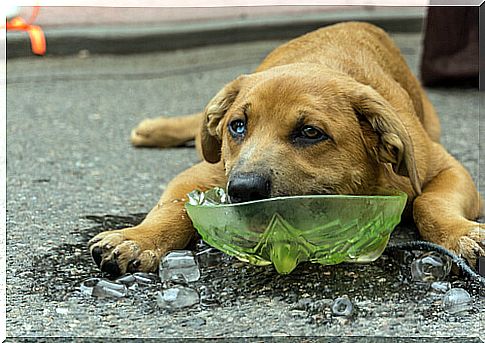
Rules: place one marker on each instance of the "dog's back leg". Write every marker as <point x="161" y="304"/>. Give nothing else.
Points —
<point x="431" y="121"/>
<point x="166" y="132"/>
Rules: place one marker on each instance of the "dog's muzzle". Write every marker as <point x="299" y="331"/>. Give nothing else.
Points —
<point x="244" y="187"/>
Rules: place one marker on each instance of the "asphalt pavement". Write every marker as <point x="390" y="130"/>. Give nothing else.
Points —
<point x="71" y="172"/>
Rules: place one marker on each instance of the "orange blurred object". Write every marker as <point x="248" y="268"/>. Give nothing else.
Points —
<point x="37" y="37"/>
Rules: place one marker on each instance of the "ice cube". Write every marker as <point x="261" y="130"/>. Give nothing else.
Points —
<point x="215" y="196"/>
<point x="103" y="288"/>
<point x="146" y="278"/>
<point x="342" y="307"/>
<point x="441" y="286"/>
<point x="430" y="267"/>
<point x="196" y="197"/>
<point x="456" y="300"/>
<point x="209" y="257"/>
<point x="127" y="279"/>
<point x="179" y="262"/>
<point x="179" y="279"/>
<point x="109" y="289"/>
<point x="177" y="297"/>
<point x="87" y="286"/>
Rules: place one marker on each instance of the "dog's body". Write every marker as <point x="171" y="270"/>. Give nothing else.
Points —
<point x="334" y="111"/>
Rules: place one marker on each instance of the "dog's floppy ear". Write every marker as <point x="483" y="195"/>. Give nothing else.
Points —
<point x="395" y="145"/>
<point x="211" y="134"/>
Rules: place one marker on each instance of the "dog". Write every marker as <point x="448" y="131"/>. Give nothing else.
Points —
<point x="335" y="111"/>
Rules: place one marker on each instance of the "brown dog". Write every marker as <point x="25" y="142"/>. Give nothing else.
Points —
<point x="336" y="111"/>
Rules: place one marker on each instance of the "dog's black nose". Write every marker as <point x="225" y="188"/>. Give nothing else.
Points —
<point x="248" y="186"/>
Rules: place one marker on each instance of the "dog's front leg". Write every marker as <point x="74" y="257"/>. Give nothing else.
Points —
<point x="445" y="212"/>
<point x="165" y="228"/>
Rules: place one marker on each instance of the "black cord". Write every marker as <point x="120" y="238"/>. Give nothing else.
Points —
<point x="422" y="245"/>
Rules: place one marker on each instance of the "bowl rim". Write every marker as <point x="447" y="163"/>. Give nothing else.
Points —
<point x="391" y="194"/>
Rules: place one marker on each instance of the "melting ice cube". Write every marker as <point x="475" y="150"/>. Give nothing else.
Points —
<point x="146" y="278"/>
<point x="177" y="297"/>
<point x="342" y="307"/>
<point x="456" y="300"/>
<point x="430" y="267"/>
<point x="87" y="286"/>
<point x="102" y="288"/>
<point x="179" y="262"/>
<point x="441" y="286"/>
<point x="179" y="279"/>
<point x="127" y="279"/>
<point x="209" y="257"/>
<point x="196" y="197"/>
<point x="214" y="196"/>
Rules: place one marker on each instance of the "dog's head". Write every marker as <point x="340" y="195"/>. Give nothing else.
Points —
<point x="297" y="130"/>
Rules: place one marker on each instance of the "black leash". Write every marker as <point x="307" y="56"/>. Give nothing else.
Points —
<point x="459" y="261"/>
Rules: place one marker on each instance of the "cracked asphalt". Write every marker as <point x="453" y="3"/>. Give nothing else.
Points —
<point x="71" y="172"/>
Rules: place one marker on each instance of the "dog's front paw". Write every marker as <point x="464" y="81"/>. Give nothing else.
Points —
<point x="122" y="251"/>
<point x="472" y="245"/>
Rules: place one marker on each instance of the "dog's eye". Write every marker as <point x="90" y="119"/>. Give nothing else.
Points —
<point x="308" y="134"/>
<point x="237" y="128"/>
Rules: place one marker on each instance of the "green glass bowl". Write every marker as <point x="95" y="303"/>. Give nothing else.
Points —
<point x="285" y="231"/>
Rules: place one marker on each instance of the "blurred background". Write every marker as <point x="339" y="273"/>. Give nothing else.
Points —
<point x="449" y="34"/>
<point x="136" y="30"/>
<point x="89" y="16"/>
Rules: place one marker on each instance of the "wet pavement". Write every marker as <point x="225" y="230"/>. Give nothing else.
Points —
<point x="72" y="173"/>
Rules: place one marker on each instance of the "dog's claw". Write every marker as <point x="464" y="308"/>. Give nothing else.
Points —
<point x="96" y="253"/>
<point x="93" y="241"/>
<point x="111" y="267"/>
<point x="133" y="266"/>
